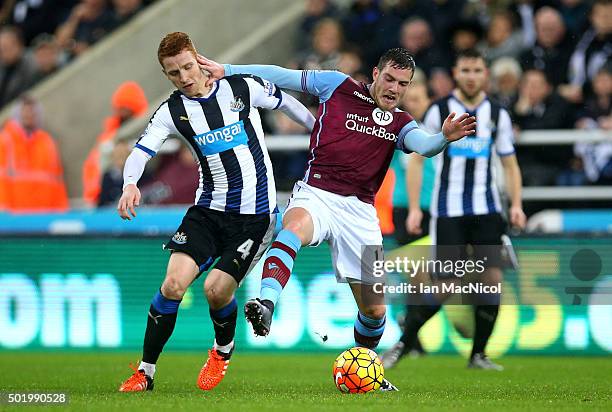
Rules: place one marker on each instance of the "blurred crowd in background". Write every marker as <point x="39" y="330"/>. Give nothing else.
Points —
<point x="549" y="65"/>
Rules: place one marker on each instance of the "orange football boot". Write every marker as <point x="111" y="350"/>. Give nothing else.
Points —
<point x="138" y="382"/>
<point x="213" y="370"/>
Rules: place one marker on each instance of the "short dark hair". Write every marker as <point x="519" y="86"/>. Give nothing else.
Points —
<point x="398" y="57"/>
<point x="468" y="54"/>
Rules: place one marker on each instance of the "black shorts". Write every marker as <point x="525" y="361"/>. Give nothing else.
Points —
<point x="237" y="240"/>
<point x="482" y="232"/>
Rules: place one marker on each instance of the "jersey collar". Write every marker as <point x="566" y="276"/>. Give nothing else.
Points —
<point x="211" y="94"/>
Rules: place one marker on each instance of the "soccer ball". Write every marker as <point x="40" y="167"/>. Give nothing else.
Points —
<point x="358" y="370"/>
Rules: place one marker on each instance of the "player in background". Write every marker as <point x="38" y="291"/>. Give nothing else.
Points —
<point x="416" y="102"/>
<point x="357" y="131"/>
<point x="234" y="214"/>
<point x="466" y="206"/>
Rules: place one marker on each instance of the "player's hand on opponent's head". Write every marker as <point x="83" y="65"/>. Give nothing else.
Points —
<point x="130" y="199"/>
<point x="457" y="128"/>
<point x="215" y="70"/>
<point x="517" y="217"/>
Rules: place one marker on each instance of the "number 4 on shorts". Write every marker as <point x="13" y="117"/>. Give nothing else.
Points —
<point x="245" y="248"/>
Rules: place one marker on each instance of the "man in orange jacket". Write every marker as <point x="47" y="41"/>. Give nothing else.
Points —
<point x="128" y="101"/>
<point x="31" y="173"/>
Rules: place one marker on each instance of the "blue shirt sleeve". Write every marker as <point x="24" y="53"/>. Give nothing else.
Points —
<point x="320" y="83"/>
<point x="413" y="139"/>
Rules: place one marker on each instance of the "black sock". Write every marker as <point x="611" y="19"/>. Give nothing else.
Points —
<point x="415" y="319"/>
<point x="159" y="329"/>
<point x="418" y="346"/>
<point x="224" y="322"/>
<point x="485" y="317"/>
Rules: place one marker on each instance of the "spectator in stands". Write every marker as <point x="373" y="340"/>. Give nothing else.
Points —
<point x="464" y="35"/>
<point x="48" y="57"/>
<point x="362" y="20"/>
<point x="316" y="10"/>
<point x="350" y="63"/>
<point x="505" y="79"/>
<point x="124" y="10"/>
<point x="112" y="181"/>
<point x="327" y="40"/>
<point x="440" y="83"/>
<point x="31" y="174"/>
<point x="17" y="70"/>
<point x="395" y="14"/>
<point x="592" y="51"/>
<point x="419" y="76"/>
<point x="128" y="101"/>
<point x="444" y="16"/>
<point x="502" y="38"/>
<point x="34" y="17"/>
<point x="596" y="158"/>
<point x="88" y="22"/>
<point x="175" y="181"/>
<point x="597" y="110"/>
<point x="552" y="49"/>
<point x="538" y="106"/>
<point x="6" y="10"/>
<point x="575" y="15"/>
<point x="417" y="38"/>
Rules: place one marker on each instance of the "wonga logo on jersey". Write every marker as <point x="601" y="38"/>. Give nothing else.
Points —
<point x="222" y="139"/>
<point x="470" y="147"/>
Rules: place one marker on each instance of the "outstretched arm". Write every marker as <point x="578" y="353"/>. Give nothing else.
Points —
<point x="284" y="78"/>
<point x="321" y="83"/>
<point x="413" y="139"/>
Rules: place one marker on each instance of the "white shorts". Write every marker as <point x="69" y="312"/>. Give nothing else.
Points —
<point x="346" y="222"/>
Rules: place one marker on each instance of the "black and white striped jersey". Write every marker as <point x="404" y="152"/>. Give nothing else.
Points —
<point x="224" y="130"/>
<point x="465" y="177"/>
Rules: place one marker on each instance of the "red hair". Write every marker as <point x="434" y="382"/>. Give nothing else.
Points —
<point x="173" y="44"/>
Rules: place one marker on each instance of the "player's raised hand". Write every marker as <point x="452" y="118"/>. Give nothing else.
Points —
<point x="457" y="128"/>
<point x="130" y="199"/>
<point x="216" y="70"/>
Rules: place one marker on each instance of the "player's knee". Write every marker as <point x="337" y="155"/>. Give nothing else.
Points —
<point x="299" y="229"/>
<point x="374" y="311"/>
<point x="173" y="288"/>
<point x="216" y="296"/>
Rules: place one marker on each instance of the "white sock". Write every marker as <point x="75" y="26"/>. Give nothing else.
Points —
<point x="148" y="368"/>
<point x="225" y="348"/>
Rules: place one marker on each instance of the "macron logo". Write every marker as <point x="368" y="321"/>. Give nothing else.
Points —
<point x="363" y="97"/>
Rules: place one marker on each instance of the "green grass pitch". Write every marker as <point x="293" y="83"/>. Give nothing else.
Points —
<point x="303" y="382"/>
